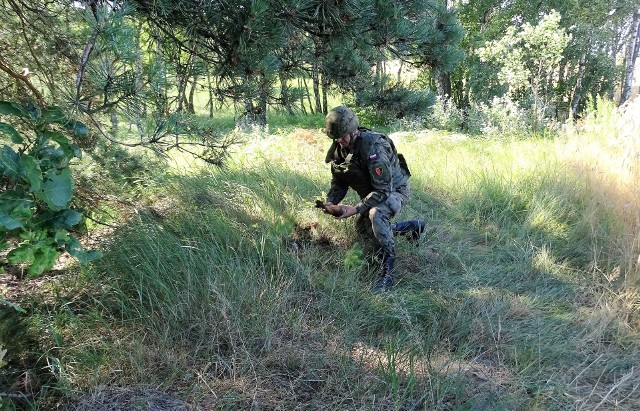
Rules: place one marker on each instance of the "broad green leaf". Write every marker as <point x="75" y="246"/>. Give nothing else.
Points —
<point x="12" y="201"/>
<point x="57" y="189"/>
<point x="79" y="129"/>
<point x="23" y="210"/>
<point x="13" y="109"/>
<point x="68" y="218"/>
<point x="54" y="115"/>
<point x="75" y="249"/>
<point x="34" y="111"/>
<point x="61" y="237"/>
<point x="31" y="236"/>
<point x="9" y="162"/>
<point x="69" y="148"/>
<point x="58" y="116"/>
<point x="8" y="222"/>
<point x="44" y="259"/>
<point x="51" y="157"/>
<point x="30" y="170"/>
<point x="16" y="138"/>
<point x="86" y="256"/>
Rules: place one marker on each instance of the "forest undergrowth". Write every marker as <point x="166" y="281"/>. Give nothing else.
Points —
<point x="223" y="288"/>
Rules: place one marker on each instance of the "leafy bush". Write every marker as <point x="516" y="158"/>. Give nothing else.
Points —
<point x="502" y="117"/>
<point x="445" y="116"/>
<point x="36" y="186"/>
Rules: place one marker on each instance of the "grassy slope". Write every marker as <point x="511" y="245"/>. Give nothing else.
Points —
<point x="233" y="292"/>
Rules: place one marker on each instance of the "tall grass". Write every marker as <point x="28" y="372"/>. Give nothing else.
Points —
<point x="605" y="152"/>
<point x="523" y="295"/>
<point x="228" y="287"/>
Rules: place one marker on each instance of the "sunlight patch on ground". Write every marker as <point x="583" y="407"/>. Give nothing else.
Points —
<point x="443" y="364"/>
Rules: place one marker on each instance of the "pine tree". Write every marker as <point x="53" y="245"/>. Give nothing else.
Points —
<point x="253" y="43"/>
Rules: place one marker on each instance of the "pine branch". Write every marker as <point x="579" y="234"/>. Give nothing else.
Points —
<point x="24" y="78"/>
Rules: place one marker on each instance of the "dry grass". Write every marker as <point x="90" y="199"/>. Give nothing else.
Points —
<point x="605" y="153"/>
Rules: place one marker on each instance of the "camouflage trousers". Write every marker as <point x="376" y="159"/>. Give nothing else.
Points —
<point x="377" y="222"/>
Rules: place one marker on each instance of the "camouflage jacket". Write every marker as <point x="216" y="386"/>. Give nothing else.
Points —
<point x="373" y="169"/>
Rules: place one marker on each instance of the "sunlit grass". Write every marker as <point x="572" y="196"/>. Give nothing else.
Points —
<point x="227" y="286"/>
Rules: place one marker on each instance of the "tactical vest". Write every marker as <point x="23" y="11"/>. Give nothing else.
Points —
<point x="352" y="169"/>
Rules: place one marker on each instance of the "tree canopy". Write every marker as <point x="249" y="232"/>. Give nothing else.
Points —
<point x="145" y="59"/>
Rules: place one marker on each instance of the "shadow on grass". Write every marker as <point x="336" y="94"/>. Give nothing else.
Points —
<point x="205" y="272"/>
<point x="204" y="297"/>
<point x="503" y="305"/>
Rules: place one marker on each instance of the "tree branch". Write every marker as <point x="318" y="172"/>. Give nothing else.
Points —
<point x="24" y="78"/>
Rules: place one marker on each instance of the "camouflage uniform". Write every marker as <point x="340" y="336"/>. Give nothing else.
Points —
<point x="368" y="163"/>
<point x="379" y="175"/>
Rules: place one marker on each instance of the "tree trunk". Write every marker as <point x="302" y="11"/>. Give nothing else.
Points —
<point x="306" y="93"/>
<point x="138" y="65"/>
<point x="561" y="72"/>
<point x="325" y="86"/>
<point x="443" y="84"/>
<point x="561" y="93"/>
<point x="183" y="79"/>
<point x="182" y="85"/>
<point x="114" y="120"/>
<point x="466" y="101"/>
<point x="285" y="95"/>
<point x="316" y="88"/>
<point x="190" y="107"/>
<point x="302" y="94"/>
<point x="262" y="104"/>
<point x="162" y="104"/>
<point x="630" y="60"/>
<point x="210" y="87"/>
<point x="577" y="91"/>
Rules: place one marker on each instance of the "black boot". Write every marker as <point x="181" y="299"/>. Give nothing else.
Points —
<point x="385" y="281"/>
<point x="413" y="229"/>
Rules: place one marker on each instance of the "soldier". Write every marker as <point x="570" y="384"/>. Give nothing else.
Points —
<point x="368" y="163"/>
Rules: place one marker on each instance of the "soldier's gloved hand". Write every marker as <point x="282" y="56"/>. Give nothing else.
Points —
<point x="326" y="207"/>
<point x="330" y="208"/>
<point x="347" y="211"/>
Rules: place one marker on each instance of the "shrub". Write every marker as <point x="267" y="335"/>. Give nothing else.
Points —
<point x="36" y="186"/>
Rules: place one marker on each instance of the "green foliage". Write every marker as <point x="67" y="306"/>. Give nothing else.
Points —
<point x="3" y="352"/>
<point x="444" y="116"/>
<point x="590" y="63"/>
<point x="37" y="186"/>
<point x="119" y="163"/>
<point x="525" y="57"/>
<point x="354" y="258"/>
<point x="382" y="105"/>
<point x="12" y="305"/>
<point x="501" y="117"/>
<point x="249" y="45"/>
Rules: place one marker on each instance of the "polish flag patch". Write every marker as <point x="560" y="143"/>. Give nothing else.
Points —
<point x="373" y="157"/>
